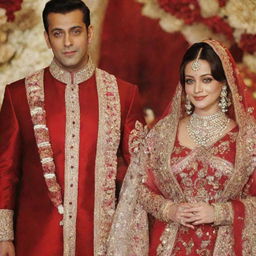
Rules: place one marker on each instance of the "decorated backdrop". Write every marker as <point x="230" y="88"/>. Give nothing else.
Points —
<point x="141" y="41"/>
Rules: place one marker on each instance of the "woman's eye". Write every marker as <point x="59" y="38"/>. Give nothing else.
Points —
<point x="188" y="81"/>
<point x="207" y="80"/>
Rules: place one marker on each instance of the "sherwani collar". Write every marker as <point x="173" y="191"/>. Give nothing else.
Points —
<point x="67" y="77"/>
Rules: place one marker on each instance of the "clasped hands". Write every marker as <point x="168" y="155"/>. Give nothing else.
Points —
<point x="191" y="214"/>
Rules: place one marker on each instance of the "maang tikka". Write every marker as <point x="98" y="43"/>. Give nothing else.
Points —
<point x="195" y="64"/>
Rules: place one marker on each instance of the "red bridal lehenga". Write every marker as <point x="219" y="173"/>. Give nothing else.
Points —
<point x="162" y="170"/>
<point x="202" y="175"/>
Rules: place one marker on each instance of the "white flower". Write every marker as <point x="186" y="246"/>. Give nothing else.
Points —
<point x="209" y="8"/>
<point x="250" y="61"/>
<point x="3" y="17"/>
<point x="199" y="32"/>
<point x="241" y="15"/>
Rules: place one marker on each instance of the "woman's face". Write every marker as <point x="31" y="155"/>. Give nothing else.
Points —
<point x="202" y="89"/>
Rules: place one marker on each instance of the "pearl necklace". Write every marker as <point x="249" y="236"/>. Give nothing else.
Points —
<point x="203" y="130"/>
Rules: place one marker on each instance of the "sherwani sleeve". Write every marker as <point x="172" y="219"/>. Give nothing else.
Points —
<point x="134" y="114"/>
<point x="9" y="165"/>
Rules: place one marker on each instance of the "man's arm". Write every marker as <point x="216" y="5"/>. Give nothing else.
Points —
<point x="9" y="165"/>
<point x="131" y="103"/>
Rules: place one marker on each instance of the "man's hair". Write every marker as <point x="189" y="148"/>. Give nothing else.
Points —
<point x="63" y="7"/>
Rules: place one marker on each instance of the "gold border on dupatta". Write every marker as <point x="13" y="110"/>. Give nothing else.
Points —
<point x="106" y="158"/>
<point x="233" y="189"/>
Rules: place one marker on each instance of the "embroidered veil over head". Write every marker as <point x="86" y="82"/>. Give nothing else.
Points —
<point x="129" y="233"/>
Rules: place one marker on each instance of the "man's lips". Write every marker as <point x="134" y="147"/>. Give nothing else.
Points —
<point x="199" y="98"/>
<point x="69" y="53"/>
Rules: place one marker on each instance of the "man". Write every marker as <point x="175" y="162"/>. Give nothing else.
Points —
<point x="61" y="129"/>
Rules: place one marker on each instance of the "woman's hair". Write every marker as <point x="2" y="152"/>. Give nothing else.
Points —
<point x="207" y="54"/>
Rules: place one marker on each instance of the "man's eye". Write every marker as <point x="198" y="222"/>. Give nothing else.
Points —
<point x="57" y="34"/>
<point x="188" y="81"/>
<point x="77" y="32"/>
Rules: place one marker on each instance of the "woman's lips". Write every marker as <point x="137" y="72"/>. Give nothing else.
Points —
<point x="199" y="98"/>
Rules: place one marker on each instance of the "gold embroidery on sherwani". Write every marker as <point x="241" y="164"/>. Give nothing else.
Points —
<point x="6" y="225"/>
<point x="106" y="158"/>
<point x="72" y="139"/>
<point x="72" y="142"/>
<point x="72" y="145"/>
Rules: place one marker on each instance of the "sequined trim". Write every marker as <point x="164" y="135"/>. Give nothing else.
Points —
<point x="72" y="142"/>
<point x="129" y="232"/>
<point x="6" y="225"/>
<point x="76" y="77"/>
<point x="153" y="203"/>
<point x="106" y="158"/>
<point x="223" y="214"/>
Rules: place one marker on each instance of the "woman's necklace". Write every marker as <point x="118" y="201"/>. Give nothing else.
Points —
<point x="204" y="130"/>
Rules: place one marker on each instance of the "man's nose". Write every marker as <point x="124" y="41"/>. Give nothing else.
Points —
<point x="67" y="40"/>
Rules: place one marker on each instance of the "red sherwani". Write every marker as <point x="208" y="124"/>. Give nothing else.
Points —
<point x="22" y="185"/>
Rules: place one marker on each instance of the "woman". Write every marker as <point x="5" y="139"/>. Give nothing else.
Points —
<point x="195" y="174"/>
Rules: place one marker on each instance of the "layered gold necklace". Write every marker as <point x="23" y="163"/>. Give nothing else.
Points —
<point x="204" y="130"/>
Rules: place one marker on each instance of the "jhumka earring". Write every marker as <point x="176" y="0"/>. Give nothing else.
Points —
<point x="188" y="106"/>
<point x="224" y="100"/>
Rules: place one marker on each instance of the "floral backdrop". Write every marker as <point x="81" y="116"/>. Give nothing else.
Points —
<point x="230" y="21"/>
<point x="23" y="50"/>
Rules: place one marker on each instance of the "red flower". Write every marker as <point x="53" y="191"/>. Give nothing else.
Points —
<point x="248" y="43"/>
<point x="219" y="25"/>
<point x="11" y="6"/>
<point x="187" y="10"/>
<point x="222" y="3"/>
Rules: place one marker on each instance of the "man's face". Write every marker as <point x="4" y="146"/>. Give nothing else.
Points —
<point x="68" y="38"/>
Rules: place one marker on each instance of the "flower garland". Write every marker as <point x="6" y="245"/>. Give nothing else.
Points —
<point x="35" y="95"/>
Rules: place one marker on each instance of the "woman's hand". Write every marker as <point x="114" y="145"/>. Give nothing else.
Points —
<point x="180" y="213"/>
<point x="7" y="248"/>
<point x="202" y="213"/>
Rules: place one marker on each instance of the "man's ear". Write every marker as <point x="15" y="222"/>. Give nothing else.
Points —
<point x="90" y="33"/>
<point x="47" y="40"/>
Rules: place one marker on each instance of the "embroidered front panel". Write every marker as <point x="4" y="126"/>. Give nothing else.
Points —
<point x="202" y="174"/>
<point x="72" y="139"/>
<point x="106" y="158"/>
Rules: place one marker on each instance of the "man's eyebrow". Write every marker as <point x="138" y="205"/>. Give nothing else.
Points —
<point x="56" y="29"/>
<point x="61" y="29"/>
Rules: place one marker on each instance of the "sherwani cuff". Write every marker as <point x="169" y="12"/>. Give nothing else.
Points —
<point x="6" y="225"/>
<point x="223" y="214"/>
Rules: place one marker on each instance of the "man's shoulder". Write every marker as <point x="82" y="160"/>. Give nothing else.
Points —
<point x="122" y="84"/>
<point x="20" y="84"/>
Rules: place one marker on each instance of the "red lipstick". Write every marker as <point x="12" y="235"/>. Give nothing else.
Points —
<point x="199" y="98"/>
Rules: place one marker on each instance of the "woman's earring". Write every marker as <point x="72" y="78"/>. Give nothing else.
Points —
<point x="224" y="100"/>
<point x="188" y="106"/>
